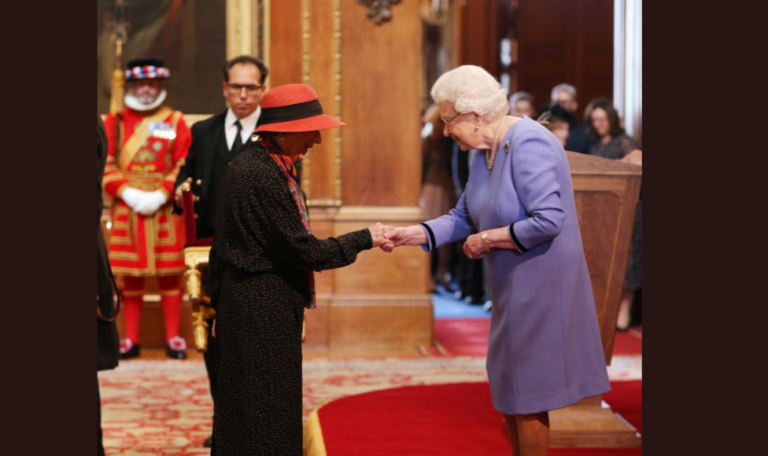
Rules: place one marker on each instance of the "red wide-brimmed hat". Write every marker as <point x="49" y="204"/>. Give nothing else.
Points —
<point x="292" y="108"/>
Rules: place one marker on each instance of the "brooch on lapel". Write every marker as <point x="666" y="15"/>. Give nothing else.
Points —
<point x="506" y="147"/>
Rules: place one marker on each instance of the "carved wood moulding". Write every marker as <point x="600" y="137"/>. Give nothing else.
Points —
<point x="379" y="10"/>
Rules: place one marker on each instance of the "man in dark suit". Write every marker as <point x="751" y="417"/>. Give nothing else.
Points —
<point x="215" y="142"/>
<point x="565" y="96"/>
<point x="108" y="342"/>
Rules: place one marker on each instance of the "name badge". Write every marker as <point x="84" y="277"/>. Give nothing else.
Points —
<point x="162" y="130"/>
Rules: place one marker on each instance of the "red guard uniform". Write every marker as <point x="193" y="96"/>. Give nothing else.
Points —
<point x="153" y="147"/>
<point x="152" y="151"/>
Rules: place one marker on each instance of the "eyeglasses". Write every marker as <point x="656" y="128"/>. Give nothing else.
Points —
<point x="250" y="89"/>
<point x="449" y="121"/>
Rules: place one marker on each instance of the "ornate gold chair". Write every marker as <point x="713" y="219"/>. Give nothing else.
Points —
<point x="196" y="253"/>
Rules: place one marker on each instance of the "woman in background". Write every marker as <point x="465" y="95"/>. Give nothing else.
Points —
<point x="437" y="193"/>
<point x="610" y="141"/>
<point x="555" y="118"/>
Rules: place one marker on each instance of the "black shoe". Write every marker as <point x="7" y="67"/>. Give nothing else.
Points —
<point x="129" y="350"/>
<point x="446" y="286"/>
<point x="175" y="354"/>
<point x="208" y="442"/>
<point x="176" y="348"/>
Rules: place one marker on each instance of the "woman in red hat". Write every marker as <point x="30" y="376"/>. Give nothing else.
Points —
<point x="261" y="278"/>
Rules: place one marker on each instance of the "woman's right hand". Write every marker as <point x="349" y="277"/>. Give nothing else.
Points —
<point x="379" y="240"/>
<point x="410" y="235"/>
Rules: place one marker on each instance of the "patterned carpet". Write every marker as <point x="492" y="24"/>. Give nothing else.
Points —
<point x="164" y="407"/>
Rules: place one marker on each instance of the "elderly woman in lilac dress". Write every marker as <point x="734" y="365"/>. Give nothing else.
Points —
<point x="518" y="210"/>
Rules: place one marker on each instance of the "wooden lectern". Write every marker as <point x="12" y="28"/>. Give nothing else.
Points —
<point x="606" y="197"/>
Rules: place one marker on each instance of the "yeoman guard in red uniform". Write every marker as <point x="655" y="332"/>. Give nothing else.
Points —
<point x="147" y="238"/>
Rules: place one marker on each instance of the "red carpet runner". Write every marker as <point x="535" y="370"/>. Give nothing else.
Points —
<point x="452" y="419"/>
<point x="446" y="420"/>
<point x="469" y="337"/>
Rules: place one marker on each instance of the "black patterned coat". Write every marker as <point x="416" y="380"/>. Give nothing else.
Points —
<point x="107" y="340"/>
<point x="258" y="282"/>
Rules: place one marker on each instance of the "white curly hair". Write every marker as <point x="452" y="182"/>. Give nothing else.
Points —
<point x="472" y="89"/>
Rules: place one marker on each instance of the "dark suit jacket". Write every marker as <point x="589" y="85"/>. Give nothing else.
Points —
<point x="108" y="342"/>
<point x="207" y="137"/>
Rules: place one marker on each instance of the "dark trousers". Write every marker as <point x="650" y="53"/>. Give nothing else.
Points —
<point x="100" y="450"/>
<point x="211" y="357"/>
<point x="471" y="279"/>
<point x="204" y="231"/>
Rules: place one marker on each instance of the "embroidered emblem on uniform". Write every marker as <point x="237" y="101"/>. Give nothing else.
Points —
<point x="148" y="151"/>
<point x="162" y="130"/>
<point x="145" y="155"/>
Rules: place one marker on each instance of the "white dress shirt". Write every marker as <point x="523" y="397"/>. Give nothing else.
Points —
<point x="248" y="124"/>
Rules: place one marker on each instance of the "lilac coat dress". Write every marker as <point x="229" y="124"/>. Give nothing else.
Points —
<point x="544" y="348"/>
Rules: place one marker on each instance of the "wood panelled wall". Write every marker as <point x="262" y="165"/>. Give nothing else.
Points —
<point x="558" y="41"/>
<point x="381" y="103"/>
<point x="566" y="41"/>
<point x="369" y="76"/>
<point x="480" y="34"/>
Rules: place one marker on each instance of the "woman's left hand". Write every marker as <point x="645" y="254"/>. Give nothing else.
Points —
<point x="498" y="239"/>
<point x="474" y="247"/>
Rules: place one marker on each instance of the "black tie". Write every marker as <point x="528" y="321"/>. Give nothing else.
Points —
<point x="238" y="144"/>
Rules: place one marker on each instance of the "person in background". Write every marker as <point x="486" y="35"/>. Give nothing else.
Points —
<point x="610" y="141"/>
<point x="215" y="143"/>
<point x="521" y="104"/>
<point x="437" y="193"/>
<point x="469" y="272"/>
<point x="565" y="96"/>
<point x="107" y="340"/>
<point x="147" y="145"/>
<point x="555" y="119"/>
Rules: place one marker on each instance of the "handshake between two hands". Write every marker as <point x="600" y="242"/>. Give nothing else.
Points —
<point x="388" y="237"/>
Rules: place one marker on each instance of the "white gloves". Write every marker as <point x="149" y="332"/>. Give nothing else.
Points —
<point x="145" y="203"/>
<point x="131" y="196"/>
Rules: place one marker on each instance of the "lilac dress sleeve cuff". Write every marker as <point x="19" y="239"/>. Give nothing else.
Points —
<point x="430" y="237"/>
<point x="516" y="241"/>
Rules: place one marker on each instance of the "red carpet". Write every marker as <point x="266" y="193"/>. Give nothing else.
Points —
<point x="447" y="420"/>
<point x="463" y="336"/>
<point x="469" y="337"/>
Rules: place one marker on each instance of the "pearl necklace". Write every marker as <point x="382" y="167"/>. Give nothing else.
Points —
<point x="494" y="146"/>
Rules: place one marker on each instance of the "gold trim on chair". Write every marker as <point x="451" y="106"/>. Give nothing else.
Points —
<point x="201" y="310"/>
<point x="314" y="444"/>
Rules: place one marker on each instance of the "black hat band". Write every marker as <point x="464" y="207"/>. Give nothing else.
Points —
<point x="288" y="113"/>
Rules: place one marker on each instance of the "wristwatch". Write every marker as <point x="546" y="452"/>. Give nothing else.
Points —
<point x="484" y="237"/>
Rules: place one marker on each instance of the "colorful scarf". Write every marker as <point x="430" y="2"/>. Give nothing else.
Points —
<point x="285" y="163"/>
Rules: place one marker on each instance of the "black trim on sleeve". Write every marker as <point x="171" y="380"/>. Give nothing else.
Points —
<point x="431" y="236"/>
<point x="514" y="238"/>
